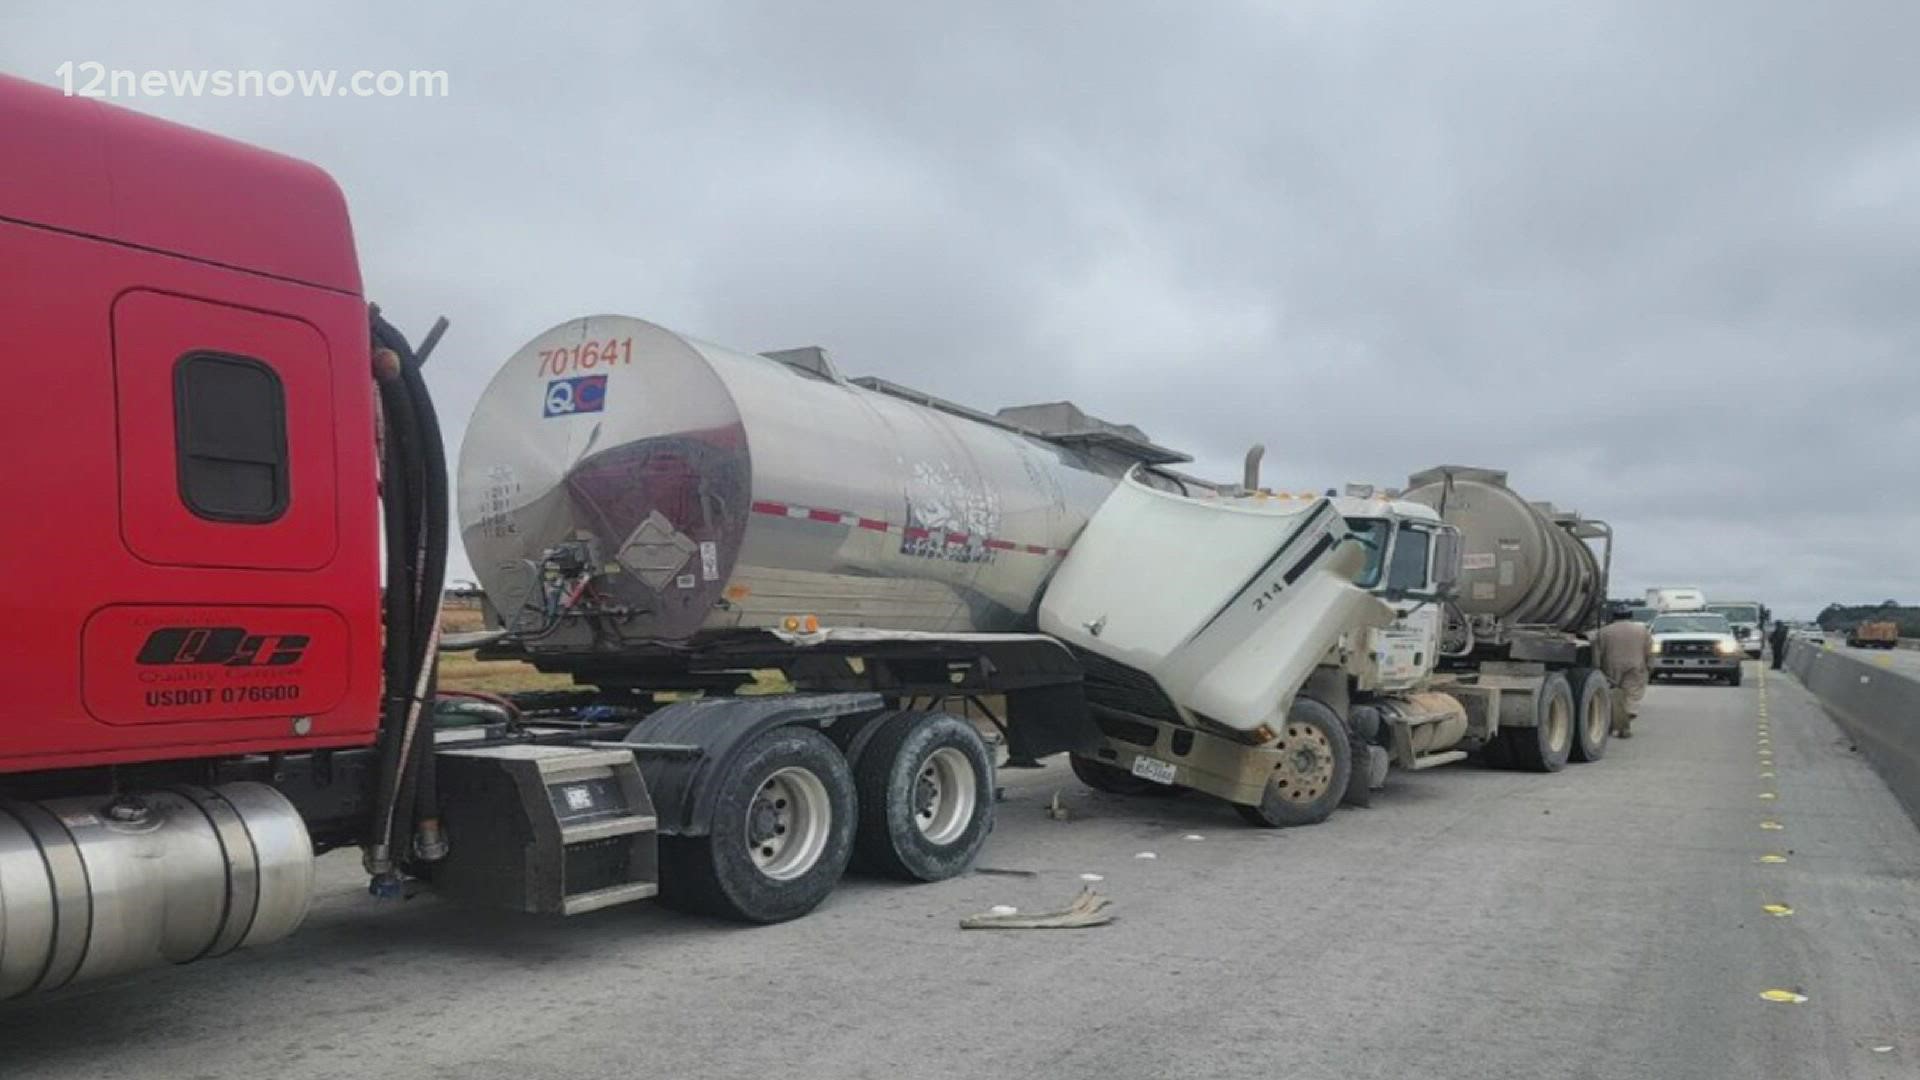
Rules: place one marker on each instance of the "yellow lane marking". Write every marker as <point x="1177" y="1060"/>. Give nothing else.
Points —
<point x="1778" y="911"/>
<point x="1772" y="858"/>
<point x="1772" y="826"/>
<point x="1766" y="776"/>
<point x="1785" y="997"/>
<point x="1766" y="795"/>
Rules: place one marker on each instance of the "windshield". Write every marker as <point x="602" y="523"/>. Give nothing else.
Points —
<point x="1408" y="570"/>
<point x="1372" y="532"/>
<point x="1740" y="613"/>
<point x="1691" y="624"/>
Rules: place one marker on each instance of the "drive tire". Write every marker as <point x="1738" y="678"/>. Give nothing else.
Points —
<point x="1734" y="679"/>
<point x="718" y="874"/>
<point x="1545" y="746"/>
<point x="1592" y="697"/>
<point x="1308" y="787"/>
<point x="925" y="787"/>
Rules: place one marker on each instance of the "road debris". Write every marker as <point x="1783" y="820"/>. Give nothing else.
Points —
<point x="1087" y="909"/>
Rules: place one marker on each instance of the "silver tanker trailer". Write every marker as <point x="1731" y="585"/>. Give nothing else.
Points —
<point x="648" y="512"/>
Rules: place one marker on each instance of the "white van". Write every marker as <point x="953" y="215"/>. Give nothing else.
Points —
<point x="1676" y="599"/>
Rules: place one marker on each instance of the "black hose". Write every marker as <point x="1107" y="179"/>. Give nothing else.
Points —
<point x="396" y="497"/>
<point x="433" y="574"/>
<point x="415" y="514"/>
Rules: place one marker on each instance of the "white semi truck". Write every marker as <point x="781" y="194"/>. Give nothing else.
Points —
<point x="1493" y="596"/>
<point x="1484" y="648"/>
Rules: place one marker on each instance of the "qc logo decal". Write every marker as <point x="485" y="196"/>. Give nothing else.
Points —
<point x="584" y="394"/>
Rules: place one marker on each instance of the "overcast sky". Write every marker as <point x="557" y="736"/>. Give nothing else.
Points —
<point x="1660" y="261"/>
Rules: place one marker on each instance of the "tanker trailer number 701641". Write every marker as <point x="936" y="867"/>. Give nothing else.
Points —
<point x="586" y="356"/>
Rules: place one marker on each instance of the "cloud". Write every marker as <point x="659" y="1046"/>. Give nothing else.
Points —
<point x="1656" y="260"/>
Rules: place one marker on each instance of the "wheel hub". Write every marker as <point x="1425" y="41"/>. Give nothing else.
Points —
<point x="764" y="822"/>
<point x="788" y="823"/>
<point x="944" y="795"/>
<point x="1305" y="769"/>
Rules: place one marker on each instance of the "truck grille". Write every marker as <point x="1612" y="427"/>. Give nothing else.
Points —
<point x="1118" y="687"/>
<point x="1687" y="648"/>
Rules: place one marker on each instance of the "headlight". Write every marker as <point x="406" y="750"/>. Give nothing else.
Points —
<point x="1728" y="647"/>
<point x="1656" y="648"/>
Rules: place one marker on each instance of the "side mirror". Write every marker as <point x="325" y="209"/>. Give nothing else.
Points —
<point x="1446" y="561"/>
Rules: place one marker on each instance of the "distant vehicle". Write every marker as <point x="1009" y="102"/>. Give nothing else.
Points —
<point x="1695" y="643"/>
<point x="1875" y="635"/>
<point x="1676" y="599"/>
<point x="1812" y="635"/>
<point x="1746" y="618"/>
<point x="1644" y="614"/>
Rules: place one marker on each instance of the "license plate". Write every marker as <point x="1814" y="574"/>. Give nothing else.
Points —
<point x="1146" y="768"/>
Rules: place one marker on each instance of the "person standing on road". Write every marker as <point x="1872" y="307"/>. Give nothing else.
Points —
<point x="1779" y="643"/>
<point x="1622" y="650"/>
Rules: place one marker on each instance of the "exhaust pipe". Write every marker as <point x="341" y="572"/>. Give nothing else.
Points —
<point x="92" y="887"/>
<point x="1250" y="476"/>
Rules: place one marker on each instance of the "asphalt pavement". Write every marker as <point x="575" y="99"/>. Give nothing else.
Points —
<point x="1904" y="661"/>
<point x="1608" y="921"/>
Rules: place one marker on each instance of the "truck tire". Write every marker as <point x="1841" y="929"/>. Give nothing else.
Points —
<point x="1112" y="779"/>
<point x="925" y="786"/>
<point x="1592" y="712"/>
<point x="781" y="835"/>
<point x="1734" y="679"/>
<point x="1363" y="722"/>
<point x="1312" y="778"/>
<point x="1544" y="747"/>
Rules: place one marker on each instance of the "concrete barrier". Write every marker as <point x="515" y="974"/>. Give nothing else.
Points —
<point x="1877" y="707"/>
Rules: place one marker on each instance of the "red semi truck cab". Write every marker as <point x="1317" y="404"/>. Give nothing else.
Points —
<point x="193" y="516"/>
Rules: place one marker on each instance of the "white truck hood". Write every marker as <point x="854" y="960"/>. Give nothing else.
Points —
<point x="1228" y="604"/>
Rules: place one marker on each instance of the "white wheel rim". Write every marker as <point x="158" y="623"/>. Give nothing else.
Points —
<point x="1559" y="722"/>
<point x="788" y="823"/>
<point x="944" y="795"/>
<point x="1306" y="764"/>
<point x="1599" y="718"/>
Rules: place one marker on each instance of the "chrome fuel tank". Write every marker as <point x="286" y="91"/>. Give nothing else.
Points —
<point x="710" y="489"/>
